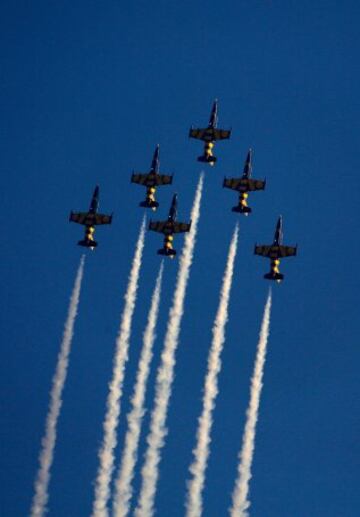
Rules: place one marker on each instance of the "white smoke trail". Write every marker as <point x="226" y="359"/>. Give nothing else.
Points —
<point x="202" y="449"/>
<point x="123" y="488"/>
<point x="165" y="374"/>
<point x="241" y="490"/>
<point x="46" y="457"/>
<point x="113" y="405"/>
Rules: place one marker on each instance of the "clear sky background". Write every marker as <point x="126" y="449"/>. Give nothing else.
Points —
<point x="87" y="91"/>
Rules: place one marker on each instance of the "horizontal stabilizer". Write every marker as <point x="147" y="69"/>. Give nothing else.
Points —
<point x="149" y="204"/>
<point x="207" y="159"/>
<point x="87" y="243"/>
<point x="246" y="210"/>
<point x="167" y="252"/>
<point x="274" y="276"/>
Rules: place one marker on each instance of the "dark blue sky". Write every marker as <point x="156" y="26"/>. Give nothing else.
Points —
<point x="87" y="91"/>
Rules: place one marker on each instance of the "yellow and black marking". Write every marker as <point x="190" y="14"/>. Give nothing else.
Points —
<point x="150" y="196"/>
<point x="168" y="244"/>
<point x="243" y="199"/>
<point x="208" y="150"/>
<point x="275" y="263"/>
<point x="89" y="235"/>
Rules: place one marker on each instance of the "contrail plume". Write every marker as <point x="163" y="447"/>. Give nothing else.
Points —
<point x="240" y="501"/>
<point x="46" y="457"/>
<point x="123" y="488"/>
<point x="165" y="373"/>
<point x="113" y="404"/>
<point x="202" y="450"/>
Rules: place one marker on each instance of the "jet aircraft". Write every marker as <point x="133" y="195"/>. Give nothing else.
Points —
<point x="209" y="135"/>
<point x="244" y="185"/>
<point x="169" y="228"/>
<point x="151" y="180"/>
<point x="274" y="252"/>
<point x="90" y="219"/>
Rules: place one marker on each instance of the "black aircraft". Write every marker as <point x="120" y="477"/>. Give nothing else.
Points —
<point x="244" y="185"/>
<point x="209" y="135"/>
<point x="274" y="252"/>
<point x="169" y="228"/>
<point x="151" y="180"/>
<point x="90" y="219"/>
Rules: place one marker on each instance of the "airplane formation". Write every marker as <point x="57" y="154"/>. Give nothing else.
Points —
<point x="153" y="179"/>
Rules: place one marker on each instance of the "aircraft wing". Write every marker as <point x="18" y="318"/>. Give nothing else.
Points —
<point x="78" y="217"/>
<point x="243" y="184"/>
<point x="102" y="219"/>
<point x="275" y="251"/>
<point x="197" y="133"/>
<point x="209" y="134"/>
<point x="182" y="227"/>
<point x="164" y="227"/>
<point x="221" y="134"/>
<point x="151" y="179"/>
<point x="163" y="179"/>
<point x="138" y="178"/>
<point x="263" y="250"/>
<point x="256" y="184"/>
<point x="288" y="251"/>
<point x="157" y="226"/>
<point x="232" y="183"/>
